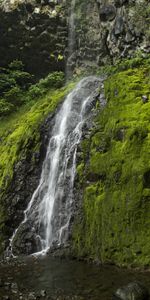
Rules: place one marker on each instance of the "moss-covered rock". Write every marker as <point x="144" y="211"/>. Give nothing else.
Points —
<point x="114" y="175"/>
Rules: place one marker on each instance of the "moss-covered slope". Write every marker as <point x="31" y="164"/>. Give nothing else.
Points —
<point x="21" y="156"/>
<point x="114" y="175"/>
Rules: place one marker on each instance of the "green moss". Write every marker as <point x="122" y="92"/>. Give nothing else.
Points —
<point x="20" y="137"/>
<point x="116" y="226"/>
<point x="14" y="139"/>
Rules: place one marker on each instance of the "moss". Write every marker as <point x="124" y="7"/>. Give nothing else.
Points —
<point x="115" y="226"/>
<point x="20" y="137"/>
<point x="14" y="139"/>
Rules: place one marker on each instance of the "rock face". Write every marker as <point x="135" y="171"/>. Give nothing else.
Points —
<point x="113" y="177"/>
<point x="133" y="291"/>
<point x="25" y="179"/>
<point x="36" y="32"/>
<point x="111" y="30"/>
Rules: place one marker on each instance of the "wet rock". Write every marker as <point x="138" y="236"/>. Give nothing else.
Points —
<point x="7" y="285"/>
<point x="14" y="288"/>
<point x="129" y="37"/>
<point x="119" y="26"/>
<point x="144" y="99"/>
<point x="107" y="13"/>
<point x="120" y="3"/>
<point x="6" y="298"/>
<point x="43" y="293"/>
<point x="1" y="282"/>
<point x="120" y="134"/>
<point x="32" y="296"/>
<point x="133" y="291"/>
<point x="25" y="241"/>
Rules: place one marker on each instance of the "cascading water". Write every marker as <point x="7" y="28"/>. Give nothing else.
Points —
<point x="49" y="214"/>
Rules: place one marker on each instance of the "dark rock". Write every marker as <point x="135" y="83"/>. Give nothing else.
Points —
<point x="7" y="284"/>
<point x="32" y="296"/>
<point x="29" y="7"/>
<point x="107" y="13"/>
<point x="133" y="291"/>
<point x="43" y="293"/>
<point x="25" y="241"/>
<point x="146" y="179"/>
<point x="129" y="37"/>
<point x="144" y="99"/>
<point x="1" y="282"/>
<point x="120" y="134"/>
<point x="6" y="298"/>
<point x="119" y="26"/>
<point x="120" y="3"/>
<point x="114" y="297"/>
<point x="14" y="287"/>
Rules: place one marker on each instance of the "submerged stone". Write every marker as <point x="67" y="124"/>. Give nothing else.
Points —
<point x="133" y="291"/>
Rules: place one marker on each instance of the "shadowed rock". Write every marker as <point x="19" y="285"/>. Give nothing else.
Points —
<point x="133" y="291"/>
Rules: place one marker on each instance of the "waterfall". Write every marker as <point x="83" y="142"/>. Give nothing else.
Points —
<point x="48" y="216"/>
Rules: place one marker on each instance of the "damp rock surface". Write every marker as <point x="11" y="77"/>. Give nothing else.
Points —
<point x="43" y="33"/>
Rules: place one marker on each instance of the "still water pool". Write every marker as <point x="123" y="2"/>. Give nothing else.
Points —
<point x="67" y="277"/>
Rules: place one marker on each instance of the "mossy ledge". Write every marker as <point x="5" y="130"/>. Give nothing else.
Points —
<point x="113" y="225"/>
<point x="21" y="153"/>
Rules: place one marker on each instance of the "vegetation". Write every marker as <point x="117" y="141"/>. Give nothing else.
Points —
<point x="114" y="170"/>
<point x="20" y="135"/>
<point x="17" y="87"/>
<point x="115" y="179"/>
<point x="124" y="64"/>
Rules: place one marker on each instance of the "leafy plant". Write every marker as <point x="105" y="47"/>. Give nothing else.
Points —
<point x="14" y="96"/>
<point x="5" y="107"/>
<point x="55" y="79"/>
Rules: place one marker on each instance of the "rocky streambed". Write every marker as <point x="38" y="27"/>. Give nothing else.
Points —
<point x="57" y="278"/>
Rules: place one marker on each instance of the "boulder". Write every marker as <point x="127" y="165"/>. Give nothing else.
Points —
<point x="107" y="13"/>
<point x="132" y="291"/>
<point x="119" y="26"/>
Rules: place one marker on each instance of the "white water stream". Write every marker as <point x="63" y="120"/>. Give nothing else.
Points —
<point x="48" y="217"/>
<point x="49" y="213"/>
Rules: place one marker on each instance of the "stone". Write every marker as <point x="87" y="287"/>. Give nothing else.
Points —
<point x="25" y="240"/>
<point x="7" y="284"/>
<point x="129" y="37"/>
<point x="120" y="3"/>
<point x="132" y="291"/>
<point x="32" y="296"/>
<point x="1" y="282"/>
<point x="119" y="26"/>
<point x="144" y="99"/>
<point x="14" y="287"/>
<point x="107" y="13"/>
<point x="43" y="293"/>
